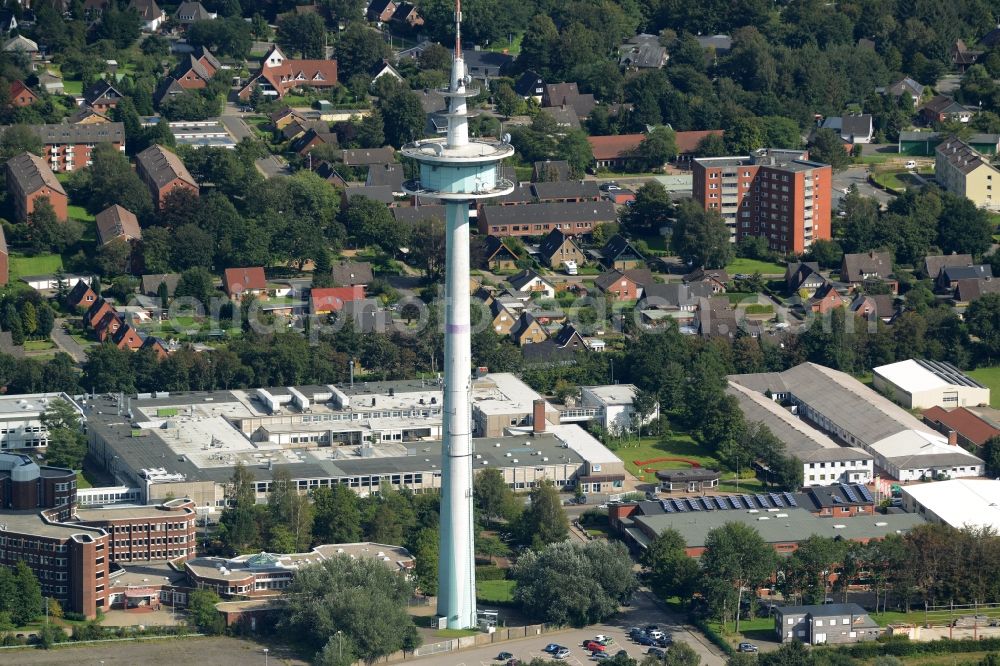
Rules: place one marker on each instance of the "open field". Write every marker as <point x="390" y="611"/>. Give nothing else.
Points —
<point x="41" y="264"/>
<point x="79" y="213"/>
<point x="167" y="652"/>
<point x="495" y="591"/>
<point x="751" y="266"/>
<point x="678" y="446"/>
<point x="989" y="377"/>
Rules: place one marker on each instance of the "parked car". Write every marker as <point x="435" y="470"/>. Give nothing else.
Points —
<point x="593" y="646"/>
<point x="621" y="653"/>
<point x="644" y="639"/>
<point x="600" y="656"/>
<point x="656" y="652"/>
<point x="666" y="641"/>
<point x="562" y="653"/>
<point x="747" y="647"/>
<point x="552" y="648"/>
<point x="504" y="656"/>
<point x="656" y="634"/>
<point x="571" y="268"/>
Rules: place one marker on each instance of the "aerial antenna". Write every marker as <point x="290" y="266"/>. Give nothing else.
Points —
<point x="458" y="29"/>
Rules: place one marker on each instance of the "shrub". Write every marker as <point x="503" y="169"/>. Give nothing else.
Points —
<point x="490" y="572"/>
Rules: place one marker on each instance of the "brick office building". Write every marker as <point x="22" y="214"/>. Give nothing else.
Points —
<point x="70" y="550"/>
<point x="777" y="194"/>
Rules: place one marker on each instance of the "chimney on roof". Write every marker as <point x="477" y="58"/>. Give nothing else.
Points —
<point x="952" y="438"/>
<point x="538" y="416"/>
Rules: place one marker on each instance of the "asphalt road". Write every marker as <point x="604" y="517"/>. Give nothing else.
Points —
<point x="66" y="343"/>
<point x="643" y="612"/>
<point x="856" y="175"/>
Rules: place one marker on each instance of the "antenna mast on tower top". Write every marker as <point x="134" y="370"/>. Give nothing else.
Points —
<point x="458" y="29"/>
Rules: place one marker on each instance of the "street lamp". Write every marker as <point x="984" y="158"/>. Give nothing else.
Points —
<point x="265" y="656"/>
<point x="340" y="645"/>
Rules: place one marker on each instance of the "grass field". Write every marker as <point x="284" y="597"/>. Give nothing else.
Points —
<point x="72" y="87"/>
<point x="79" y="213"/>
<point x="513" y="47"/>
<point x="934" y="617"/>
<point x="681" y="446"/>
<point x="455" y="633"/>
<point x="82" y="482"/>
<point x="38" y="345"/>
<point x="41" y="264"/>
<point x="989" y="377"/>
<point x="751" y="266"/>
<point x="495" y="591"/>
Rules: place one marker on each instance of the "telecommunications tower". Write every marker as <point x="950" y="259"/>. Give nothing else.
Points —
<point x="458" y="172"/>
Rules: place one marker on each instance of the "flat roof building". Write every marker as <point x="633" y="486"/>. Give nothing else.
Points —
<point x="920" y="384"/>
<point x="959" y="502"/>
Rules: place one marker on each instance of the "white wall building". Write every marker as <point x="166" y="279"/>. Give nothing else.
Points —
<point x="614" y="401"/>
<point x="21" y="419"/>
<point x="919" y="384"/>
<point x="959" y="502"/>
<point x="912" y="455"/>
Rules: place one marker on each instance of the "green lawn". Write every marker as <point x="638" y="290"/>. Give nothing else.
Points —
<point x="42" y="264"/>
<point x="82" y="482"/>
<point x="38" y="345"/>
<point x="751" y="266"/>
<point x="455" y="633"/>
<point x="513" y="47"/>
<point x="296" y="100"/>
<point x="73" y="87"/>
<point x="79" y="213"/>
<point x="495" y="591"/>
<point x="989" y="377"/>
<point x="82" y="339"/>
<point x="681" y="446"/>
<point x="933" y="617"/>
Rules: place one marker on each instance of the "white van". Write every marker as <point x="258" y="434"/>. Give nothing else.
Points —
<point x="570" y="267"/>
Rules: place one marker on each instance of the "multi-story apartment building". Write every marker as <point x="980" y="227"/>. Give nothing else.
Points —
<point x="29" y="179"/>
<point x="69" y="147"/>
<point x="961" y="170"/>
<point x="779" y="195"/>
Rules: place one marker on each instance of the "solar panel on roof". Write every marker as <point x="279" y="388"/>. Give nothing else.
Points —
<point x="708" y="504"/>
<point x="791" y="499"/>
<point x="749" y="501"/>
<point x="721" y="503"/>
<point x="681" y="505"/>
<point x="762" y="501"/>
<point x="850" y="494"/>
<point x="736" y="502"/>
<point x="863" y="491"/>
<point x="777" y="500"/>
<point x="668" y="506"/>
<point x="694" y="504"/>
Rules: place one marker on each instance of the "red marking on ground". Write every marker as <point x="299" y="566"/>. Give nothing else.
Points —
<point x="639" y="463"/>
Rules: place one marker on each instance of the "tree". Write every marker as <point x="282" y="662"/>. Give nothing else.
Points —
<point x="402" y="115"/>
<point x="19" y="139"/>
<point x="712" y="145"/>
<point x="827" y="253"/>
<point x="361" y="598"/>
<point x="425" y="552"/>
<point x="700" y="237"/>
<point x="735" y="559"/>
<point x="202" y="613"/>
<point x="290" y="511"/>
<point x="110" y="180"/>
<point x="67" y="444"/>
<point x="983" y="320"/>
<point x="192" y="247"/>
<point x="371" y="130"/>
<point x="643" y="406"/>
<point x="196" y="283"/>
<point x="572" y="583"/>
<point x="508" y="103"/>
<point x="47" y="233"/>
<point x="827" y="147"/>
<point x="29" y="319"/>
<point x="302" y="33"/>
<point x="991" y="456"/>
<point x="337" y="517"/>
<point x="492" y="497"/>
<point x="369" y="222"/>
<point x="576" y="150"/>
<point x="491" y="546"/>
<point x="358" y="49"/>
<point x="427" y="247"/>
<point x="671" y="571"/>
<point x="651" y="211"/>
<point x="681" y="654"/>
<point x="544" y="522"/>
<point x="962" y="227"/>
<point x="657" y="148"/>
<point x="46" y="320"/>
<point x="238" y="523"/>
<point x="26" y="602"/>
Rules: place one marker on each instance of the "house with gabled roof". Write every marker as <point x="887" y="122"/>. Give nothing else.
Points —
<point x="528" y="283"/>
<point x="825" y="299"/>
<point x="881" y="306"/>
<point x="101" y="96"/>
<point x="859" y="268"/>
<point x="497" y="256"/>
<point x="21" y="95"/>
<point x="969" y="290"/>
<point x="804" y="277"/>
<point x="559" y="248"/>
<point x="107" y="325"/>
<point x="718" y="278"/>
<point x="567" y="191"/>
<point x="569" y="338"/>
<point x="240" y="282"/>
<point x="950" y="276"/>
<point x="540" y="218"/>
<point x="619" y="253"/>
<point x="333" y="299"/>
<point x="117" y="223"/>
<point x="530" y="85"/>
<point x="905" y="86"/>
<point x="195" y="70"/>
<point x="642" y="52"/>
<point x="380" y="11"/>
<point x="934" y="263"/>
<point x="96" y="312"/>
<point x="852" y="129"/>
<point x="962" y="56"/>
<point x="502" y="318"/>
<point x="127" y="337"/>
<point x="158" y="345"/>
<point x="368" y="156"/>
<point x="527" y="330"/>
<point x="150" y="284"/>
<point x="352" y="274"/>
<point x="624" y="285"/>
<point x="568" y="94"/>
<point x="278" y="75"/>
<point x="941" y="109"/>
<point x="29" y="180"/>
<point x="81" y="296"/>
<point x="87" y="116"/>
<point x="192" y="12"/>
<point x="150" y="14"/>
<point x="163" y="172"/>
<point x="406" y="14"/>
<point x="21" y="44"/>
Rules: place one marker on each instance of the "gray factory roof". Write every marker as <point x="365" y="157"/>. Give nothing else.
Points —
<point x="846" y="402"/>
<point x="793" y="525"/>
<point x="800" y="439"/>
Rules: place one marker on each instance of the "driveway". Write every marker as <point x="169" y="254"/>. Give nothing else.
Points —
<point x="857" y="175"/>
<point x="644" y="611"/>
<point x="237" y="127"/>
<point x="66" y="343"/>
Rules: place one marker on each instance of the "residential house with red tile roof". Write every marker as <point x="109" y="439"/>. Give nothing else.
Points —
<point x="238" y="282"/>
<point x="278" y="75"/>
<point x="332" y="299"/>
<point x="116" y="222"/>
<point x="969" y="428"/>
<point x="127" y="337"/>
<point x="81" y="296"/>
<point x="21" y="95"/>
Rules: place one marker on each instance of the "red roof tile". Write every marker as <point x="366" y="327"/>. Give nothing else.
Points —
<point x="964" y="422"/>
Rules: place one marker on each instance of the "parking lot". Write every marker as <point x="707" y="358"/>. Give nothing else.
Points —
<point x="643" y="612"/>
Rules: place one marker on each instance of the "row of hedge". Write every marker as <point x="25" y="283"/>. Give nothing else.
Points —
<point x="901" y="646"/>
<point x="711" y="634"/>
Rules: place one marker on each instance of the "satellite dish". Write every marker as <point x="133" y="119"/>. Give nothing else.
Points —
<point x="505" y="138"/>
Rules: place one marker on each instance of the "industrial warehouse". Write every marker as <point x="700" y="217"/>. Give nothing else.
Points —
<point x="187" y="445"/>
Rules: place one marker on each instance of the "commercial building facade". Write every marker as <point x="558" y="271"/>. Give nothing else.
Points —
<point x="775" y="194"/>
<point x="920" y="384"/>
<point x="828" y="623"/>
